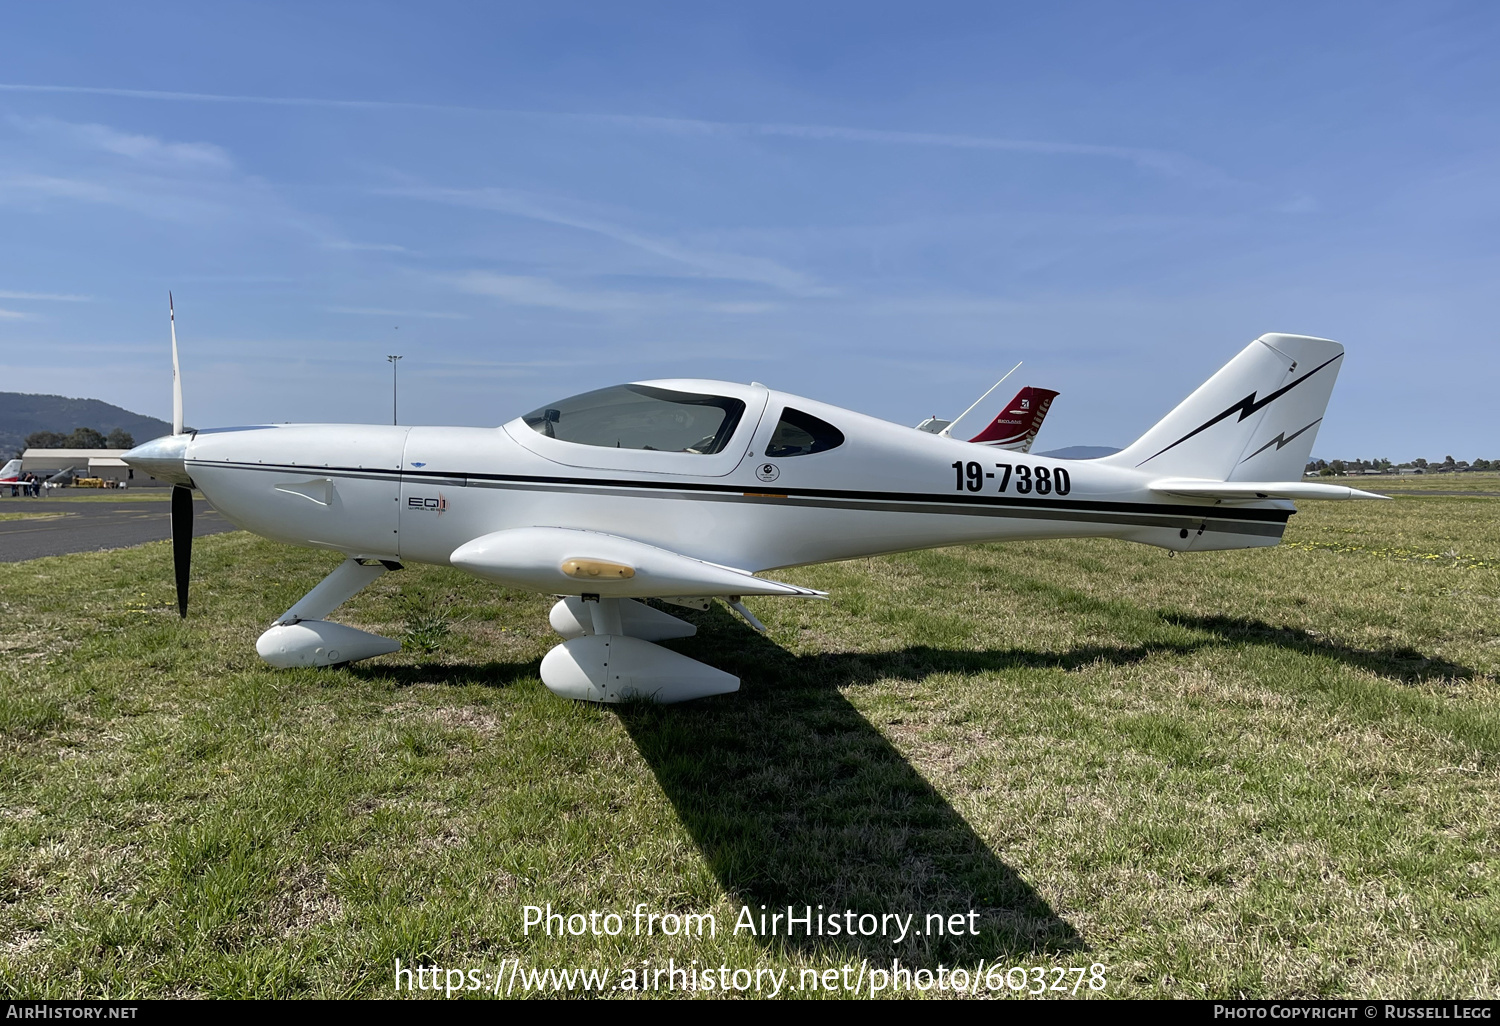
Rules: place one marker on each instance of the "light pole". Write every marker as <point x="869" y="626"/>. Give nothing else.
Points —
<point x="393" y="360"/>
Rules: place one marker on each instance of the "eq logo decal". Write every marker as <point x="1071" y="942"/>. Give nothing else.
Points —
<point x="426" y="502"/>
<point x="767" y="472"/>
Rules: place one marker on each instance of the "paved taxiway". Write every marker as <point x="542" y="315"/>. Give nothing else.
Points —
<point x="90" y="526"/>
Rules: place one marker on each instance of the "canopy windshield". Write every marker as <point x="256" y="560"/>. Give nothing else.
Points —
<point x="641" y="417"/>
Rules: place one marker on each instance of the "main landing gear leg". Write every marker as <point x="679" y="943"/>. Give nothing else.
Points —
<point x="608" y="656"/>
<point x="301" y="637"/>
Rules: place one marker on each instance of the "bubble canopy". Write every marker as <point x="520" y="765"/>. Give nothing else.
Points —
<point x="641" y="417"/>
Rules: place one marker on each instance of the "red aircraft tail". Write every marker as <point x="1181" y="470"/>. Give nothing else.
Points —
<point x="1016" y="425"/>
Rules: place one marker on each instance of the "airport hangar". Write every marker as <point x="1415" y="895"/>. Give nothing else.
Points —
<point x="104" y="464"/>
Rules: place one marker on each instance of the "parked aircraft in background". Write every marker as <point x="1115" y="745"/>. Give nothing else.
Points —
<point x="681" y="490"/>
<point x="1014" y="427"/>
<point x="11" y="475"/>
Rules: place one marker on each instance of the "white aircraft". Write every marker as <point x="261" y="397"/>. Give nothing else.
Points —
<point x="11" y="476"/>
<point x="682" y="490"/>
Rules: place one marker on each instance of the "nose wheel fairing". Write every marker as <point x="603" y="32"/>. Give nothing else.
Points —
<point x="301" y="637"/>
<point x="320" y="643"/>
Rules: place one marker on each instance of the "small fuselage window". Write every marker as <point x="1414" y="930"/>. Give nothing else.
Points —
<point x="798" y="434"/>
<point x="641" y="417"/>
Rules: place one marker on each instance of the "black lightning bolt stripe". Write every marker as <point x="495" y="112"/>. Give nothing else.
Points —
<point x="1245" y="407"/>
<point x="1280" y="441"/>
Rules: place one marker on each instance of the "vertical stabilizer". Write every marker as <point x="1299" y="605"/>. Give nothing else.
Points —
<point x="1255" y="420"/>
<point x="1017" y="423"/>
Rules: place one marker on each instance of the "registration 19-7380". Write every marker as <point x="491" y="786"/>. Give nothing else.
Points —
<point x="1021" y="478"/>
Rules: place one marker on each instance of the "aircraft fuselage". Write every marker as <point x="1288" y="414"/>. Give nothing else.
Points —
<point x="418" y="493"/>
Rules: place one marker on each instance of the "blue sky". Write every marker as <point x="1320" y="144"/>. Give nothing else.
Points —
<point x="883" y="206"/>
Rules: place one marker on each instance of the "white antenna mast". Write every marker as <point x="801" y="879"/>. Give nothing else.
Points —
<point x="176" y="373"/>
<point x="945" y="432"/>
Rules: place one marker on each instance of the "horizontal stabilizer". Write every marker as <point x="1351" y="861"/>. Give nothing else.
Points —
<point x="567" y="561"/>
<point x="1250" y="491"/>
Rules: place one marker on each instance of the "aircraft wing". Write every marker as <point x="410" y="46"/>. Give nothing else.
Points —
<point x="566" y="561"/>
<point x="1251" y="491"/>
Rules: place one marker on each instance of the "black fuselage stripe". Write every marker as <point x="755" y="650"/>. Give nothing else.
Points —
<point x="961" y="504"/>
<point x="1213" y="522"/>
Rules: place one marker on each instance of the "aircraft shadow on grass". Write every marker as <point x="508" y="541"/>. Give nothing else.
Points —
<point x="920" y="661"/>
<point x="795" y="798"/>
<point x="1405" y="664"/>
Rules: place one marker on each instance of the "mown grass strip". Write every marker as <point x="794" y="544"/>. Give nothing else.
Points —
<point x="1267" y="773"/>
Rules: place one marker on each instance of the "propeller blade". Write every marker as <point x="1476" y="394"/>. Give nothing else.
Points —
<point x="182" y="542"/>
<point x="176" y="373"/>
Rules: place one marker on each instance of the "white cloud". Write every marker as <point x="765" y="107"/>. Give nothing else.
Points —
<point x="365" y="247"/>
<point x="379" y="312"/>
<point x="732" y="307"/>
<point x="59" y="188"/>
<point x="529" y="290"/>
<point x="1161" y="161"/>
<point x="703" y="263"/>
<point x="526" y="290"/>
<point x="1300" y="204"/>
<point x="140" y="149"/>
<point x="14" y="315"/>
<point x="168" y="199"/>
<point x="275" y="101"/>
<point x="50" y="297"/>
<point x="93" y="163"/>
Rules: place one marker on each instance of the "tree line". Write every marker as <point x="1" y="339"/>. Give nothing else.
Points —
<point x="1337" y="468"/>
<point x="81" y="438"/>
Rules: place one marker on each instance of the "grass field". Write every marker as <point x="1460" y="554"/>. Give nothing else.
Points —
<point x="1267" y="773"/>
<point x="1475" y="482"/>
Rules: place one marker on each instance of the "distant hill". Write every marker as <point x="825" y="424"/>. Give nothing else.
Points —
<point x="22" y="413"/>
<point x="1081" y="452"/>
